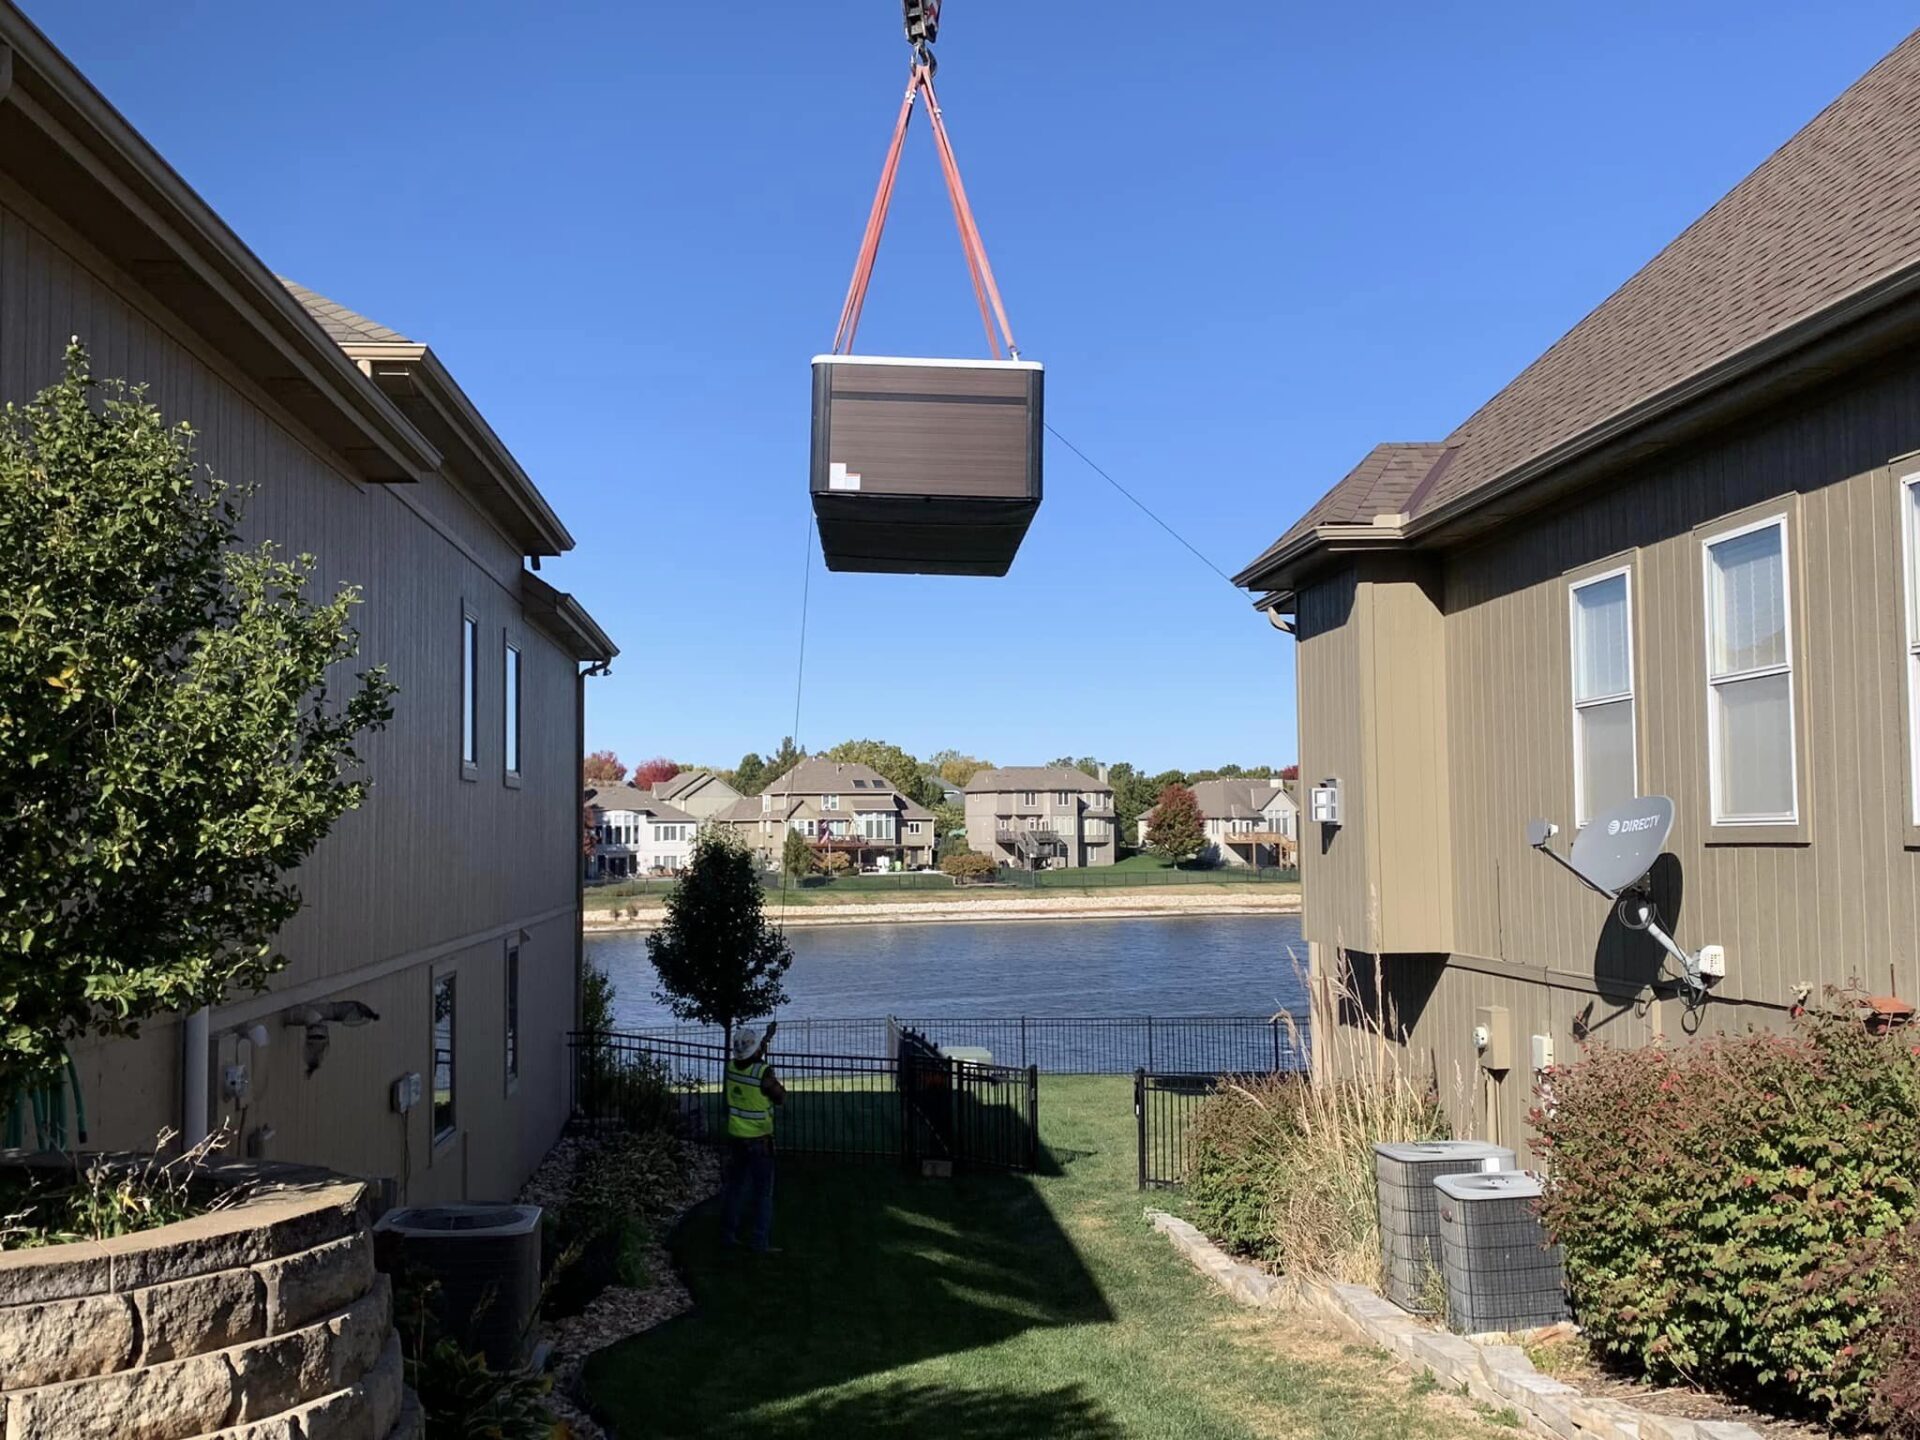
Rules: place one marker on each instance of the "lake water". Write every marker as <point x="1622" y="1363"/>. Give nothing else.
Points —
<point x="1200" y="965"/>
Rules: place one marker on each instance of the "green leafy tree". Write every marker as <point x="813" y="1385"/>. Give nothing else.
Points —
<point x="718" y="959"/>
<point x="796" y="855"/>
<point x="169" y="751"/>
<point x="1133" y="796"/>
<point x="750" y="775"/>
<point x="1177" y="831"/>
<point x="781" y="761"/>
<point x="903" y="772"/>
<point x="835" y="862"/>
<point x="949" y="819"/>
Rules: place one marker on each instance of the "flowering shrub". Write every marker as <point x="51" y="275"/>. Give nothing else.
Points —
<point x="1896" y="1394"/>
<point x="1726" y="1208"/>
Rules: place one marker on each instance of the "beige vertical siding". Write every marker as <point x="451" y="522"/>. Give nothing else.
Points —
<point x="435" y="869"/>
<point x="1838" y="907"/>
<point x="1338" y="907"/>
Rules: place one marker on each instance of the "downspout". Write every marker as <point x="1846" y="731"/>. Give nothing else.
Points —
<point x="195" y="1031"/>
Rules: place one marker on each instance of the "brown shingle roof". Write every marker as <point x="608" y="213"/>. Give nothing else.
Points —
<point x="1380" y="484"/>
<point x="1833" y="210"/>
<point x="343" y="326"/>
<point x="1034" y="777"/>
<point x="1234" y="799"/>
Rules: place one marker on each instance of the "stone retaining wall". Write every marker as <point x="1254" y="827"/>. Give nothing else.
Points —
<point x="1491" y="1372"/>
<point x="263" y="1321"/>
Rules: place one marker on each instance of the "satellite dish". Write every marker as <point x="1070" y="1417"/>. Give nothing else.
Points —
<point x="1619" y="845"/>
<point x="1613" y="855"/>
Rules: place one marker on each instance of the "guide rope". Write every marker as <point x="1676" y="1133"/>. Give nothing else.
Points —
<point x="923" y="17"/>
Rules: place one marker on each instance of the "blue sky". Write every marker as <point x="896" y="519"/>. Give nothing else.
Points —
<point x="1244" y="257"/>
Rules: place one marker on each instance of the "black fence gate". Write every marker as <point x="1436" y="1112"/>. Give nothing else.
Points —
<point x="912" y="1105"/>
<point x="1162" y="1106"/>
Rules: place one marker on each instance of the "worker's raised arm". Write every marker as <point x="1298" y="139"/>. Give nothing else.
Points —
<point x="771" y="1087"/>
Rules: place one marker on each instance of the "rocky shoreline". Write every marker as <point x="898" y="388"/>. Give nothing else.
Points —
<point x="1123" y="905"/>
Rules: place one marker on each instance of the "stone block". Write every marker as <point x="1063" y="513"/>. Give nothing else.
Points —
<point x="1362" y="1303"/>
<point x="1504" y="1357"/>
<point x="344" y="1415"/>
<point x="284" y="1372"/>
<point x="280" y="1223"/>
<point x="163" y="1402"/>
<point x="412" y="1424"/>
<point x="361" y="1332"/>
<point x="1448" y="1356"/>
<point x="63" y="1272"/>
<point x="65" y="1340"/>
<point x="1725" y="1430"/>
<point x="190" y="1317"/>
<point x="302" y="1287"/>
<point x="274" y="1427"/>
<point x="385" y="1385"/>
<point x="1667" y="1427"/>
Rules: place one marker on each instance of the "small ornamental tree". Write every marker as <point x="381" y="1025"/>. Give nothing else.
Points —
<point x="718" y="960"/>
<point x="967" y="867"/>
<point x="603" y="767"/>
<point x="796" y="855"/>
<point x="835" y="862"/>
<point x="1176" y="830"/>
<point x="169" y="751"/>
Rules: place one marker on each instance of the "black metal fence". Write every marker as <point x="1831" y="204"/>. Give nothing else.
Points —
<point x="1163" y="1108"/>
<point x="910" y="1105"/>
<point x="1102" y="1045"/>
<point x="1162" y="1105"/>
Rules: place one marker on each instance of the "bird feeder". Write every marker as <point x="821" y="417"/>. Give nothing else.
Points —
<point x="926" y="467"/>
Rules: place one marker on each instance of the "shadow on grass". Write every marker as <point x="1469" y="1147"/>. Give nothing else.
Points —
<point x="878" y="1270"/>
<point x="922" y="1412"/>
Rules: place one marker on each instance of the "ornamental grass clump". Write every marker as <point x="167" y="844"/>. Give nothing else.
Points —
<point x="1282" y="1167"/>
<point x="1730" y="1209"/>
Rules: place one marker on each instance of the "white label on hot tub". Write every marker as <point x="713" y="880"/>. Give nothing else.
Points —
<point x="840" y="478"/>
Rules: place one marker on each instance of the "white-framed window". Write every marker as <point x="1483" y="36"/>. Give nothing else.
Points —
<point x="469" y="690"/>
<point x="1026" y="797"/>
<point x="1752" y="764"/>
<point x="1910" y="552"/>
<point x="829" y="802"/>
<point x="511" y="673"/>
<point x="1605" y="751"/>
<point x="1064" y="797"/>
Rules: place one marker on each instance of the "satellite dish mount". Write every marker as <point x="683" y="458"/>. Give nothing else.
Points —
<point x="1612" y="857"/>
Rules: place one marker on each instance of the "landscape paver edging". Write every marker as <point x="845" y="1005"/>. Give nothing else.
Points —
<point x="1490" y="1371"/>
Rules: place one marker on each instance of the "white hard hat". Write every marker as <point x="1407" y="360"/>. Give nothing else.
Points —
<point x="746" y="1040"/>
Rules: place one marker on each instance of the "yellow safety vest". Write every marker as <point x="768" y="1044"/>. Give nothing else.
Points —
<point x="749" y="1111"/>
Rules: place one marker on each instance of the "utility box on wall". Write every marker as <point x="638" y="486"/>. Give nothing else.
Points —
<point x="1493" y="1037"/>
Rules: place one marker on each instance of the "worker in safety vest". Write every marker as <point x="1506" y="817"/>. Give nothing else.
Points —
<point x="752" y="1092"/>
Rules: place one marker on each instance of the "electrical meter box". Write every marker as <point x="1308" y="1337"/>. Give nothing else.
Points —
<point x="1493" y="1038"/>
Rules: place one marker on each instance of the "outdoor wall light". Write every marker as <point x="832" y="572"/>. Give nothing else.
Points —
<point x="256" y="1035"/>
<point x="315" y="1020"/>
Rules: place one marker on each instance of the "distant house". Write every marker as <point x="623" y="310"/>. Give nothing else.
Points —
<point x="1249" y="822"/>
<point x="950" y="793"/>
<point x="700" y="793"/>
<point x="637" y="833"/>
<point x="1041" y="816"/>
<point x="840" y="808"/>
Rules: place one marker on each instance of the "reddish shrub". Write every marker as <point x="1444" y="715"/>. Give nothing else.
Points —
<point x="1726" y="1207"/>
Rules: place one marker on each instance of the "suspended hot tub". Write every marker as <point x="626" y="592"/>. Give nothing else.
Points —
<point x="925" y="467"/>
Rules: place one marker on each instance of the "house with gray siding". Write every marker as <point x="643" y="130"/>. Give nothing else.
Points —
<point x="1678" y="554"/>
<point x="839" y="807"/>
<point x="635" y="833"/>
<point x="448" y="905"/>
<point x="1248" y="823"/>
<point x="1042" y="816"/>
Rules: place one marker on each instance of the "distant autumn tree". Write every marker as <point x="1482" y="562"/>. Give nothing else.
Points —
<point x="967" y="868"/>
<point x="1289" y="772"/>
<point x="1177" y="831"/>
<point x="955" y="768"/>
<point x="603" y="767"/>
<point x="835" y="862"/>
<point x="657" y="771"/>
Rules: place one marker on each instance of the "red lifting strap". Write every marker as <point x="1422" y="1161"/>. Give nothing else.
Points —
<point x="985" y="291"/>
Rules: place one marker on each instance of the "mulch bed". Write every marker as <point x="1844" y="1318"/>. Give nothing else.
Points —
<point x="1572" y="1359"/>
<point x="619" y="1311"/>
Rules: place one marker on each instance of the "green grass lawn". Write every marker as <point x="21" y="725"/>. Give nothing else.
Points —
<point x="993" y="1308"/>
<point x="1048" y="885"/>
